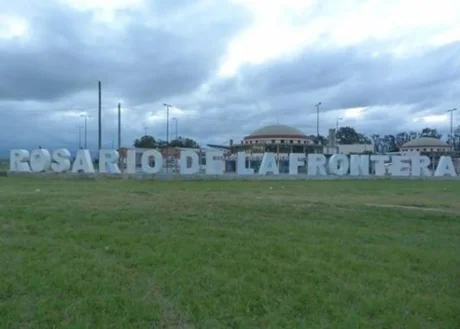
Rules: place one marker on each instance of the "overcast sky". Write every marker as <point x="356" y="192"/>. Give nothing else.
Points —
<point x="228" y="67"/>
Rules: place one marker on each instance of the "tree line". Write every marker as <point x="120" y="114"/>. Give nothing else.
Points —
<point x="148" y="141"/>
<point x="344" y="136"/>
<point x="390" y="142"/>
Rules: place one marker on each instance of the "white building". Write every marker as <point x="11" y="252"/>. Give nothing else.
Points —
<point x="425" y="144"/>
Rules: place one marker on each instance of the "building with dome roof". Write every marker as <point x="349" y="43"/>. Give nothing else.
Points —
<point x="425" y="144"/>
<point x="277" y="138"/>
<point x="429" y="146"/>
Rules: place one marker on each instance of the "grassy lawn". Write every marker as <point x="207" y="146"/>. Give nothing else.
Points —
<point x="4" y="165"/>
<point x="309" y="254"/>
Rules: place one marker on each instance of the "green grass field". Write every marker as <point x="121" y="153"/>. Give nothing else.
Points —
<point x="4" y="165"/>
<point x="209" y="255"/>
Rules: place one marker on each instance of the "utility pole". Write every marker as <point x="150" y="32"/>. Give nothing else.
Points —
<point x="336" y="130"/>
<point x="79" y="136"/>
<point x="119" y="126"/>
<point x="167" y="134"/>
<point x="175" y="119"/>
<point x="317" y="121"/>
<point x="86" y="116"/>
<point x="452" y="127"/>
<point x="100" y="116"/>
<point x="337" y="124"/>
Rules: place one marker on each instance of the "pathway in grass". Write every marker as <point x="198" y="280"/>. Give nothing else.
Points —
<point x="127" y="254"/>
<point x="397" y="206"/>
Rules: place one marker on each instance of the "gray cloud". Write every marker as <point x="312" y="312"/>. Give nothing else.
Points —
<point x="354" y="78"/>
<point x="344" y="78"/>
<point x="167" y="52"/>
<point x="69" y="53"/>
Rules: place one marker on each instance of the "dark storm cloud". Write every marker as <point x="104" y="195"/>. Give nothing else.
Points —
<point x="349" y="78"/>
<point x="163" y="51"/>
<point x="395" y="89"/>
<point x="67" y="53"/>
<point x="44" y="67"/>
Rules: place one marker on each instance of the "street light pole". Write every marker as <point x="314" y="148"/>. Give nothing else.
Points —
<point x="317" y="120"/>
<point x="336" y="130"/>
<point x="175" y="119"/>
<point x="119" y="126"/>
<point x="86" y="116"/>
<point x="79" y="136"/>
<point x="99" y="117"/>
<point x="86" y="131"/>
<point x="452" y="127"/>
<point x="337" y="125"/>
<point x="167" y="134"/>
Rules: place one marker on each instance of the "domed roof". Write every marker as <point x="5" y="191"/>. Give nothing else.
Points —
<point x="277" y="130"/>
<point x="425" y="142"/>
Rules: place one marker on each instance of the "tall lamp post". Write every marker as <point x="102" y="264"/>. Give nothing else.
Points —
<point x="79" y="136"/>
<point x="119" y="127"/>
<point x="452" y="127"/>
<point x="317" y="120"/>
<point x="337" y="125"/>
<point x="336" y="131"/>
<point x="175" y="120"/>
<point x="167" y="134"/>
<point x="86" y="116"/>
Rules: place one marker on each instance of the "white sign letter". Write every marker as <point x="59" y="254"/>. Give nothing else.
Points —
<point x="400" y="166"/>
<point x="379" y="164"/>
<point x="194" y="163"/>
<point x="131" y="161"/>
<point x="61" y="160"/>
<point x="241" y="165"/>
<point x="269" y="164"/>
<point x="108" y="162"/>
<point x="316" y="165"/>
<point x="215" y="164"/>
<point x="83" y="162"/>
<point x="445" y="167"/>
<point x="146" y="161"/>
<point x="359" y="165"/>
<point x="40" y="160"/>
<point x="18" y="160"/>
<point x="339" y="164"/>
<point x="420" y="164"/>
<point x="296" y="160"/>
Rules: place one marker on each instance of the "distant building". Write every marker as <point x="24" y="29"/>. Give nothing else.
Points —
<point x="429" y="146"/>
<point x="277" y="138"/>
<point x="333" y="148"/>
<point x="349" y="149"/>
<point x="425" y="144"/>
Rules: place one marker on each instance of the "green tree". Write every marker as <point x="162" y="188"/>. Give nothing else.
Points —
<point x="455" y="139"/>
<point x="348" y="135"/>
<point x="430" y="132"/>
<point x="385" y="143"/>
<point x="321" y="140"/>
<point x="146" y="141"/>
<point x="184" y="142"/>
<point x="404" y="137"/>
<point x="364" y="139"/>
